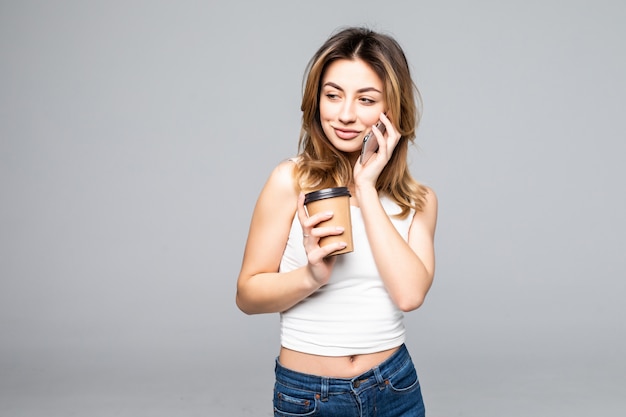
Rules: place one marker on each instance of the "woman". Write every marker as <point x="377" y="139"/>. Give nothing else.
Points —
<point x="342" y="336"/>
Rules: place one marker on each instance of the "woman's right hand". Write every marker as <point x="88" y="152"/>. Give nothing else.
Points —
<point x="261" y="286"/>
<point x="320" y="264"/>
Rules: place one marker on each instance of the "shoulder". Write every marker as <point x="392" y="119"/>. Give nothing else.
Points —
<point x="430" y="197"/>
<point x="280" y="188"/>
<point x="283" y="176"/>
<point x="428" y="213"/>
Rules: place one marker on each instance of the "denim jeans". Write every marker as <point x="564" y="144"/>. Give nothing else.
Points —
<point x="391" y="389"/>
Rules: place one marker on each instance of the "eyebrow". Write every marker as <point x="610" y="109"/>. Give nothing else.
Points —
<point x="360" y="90"/>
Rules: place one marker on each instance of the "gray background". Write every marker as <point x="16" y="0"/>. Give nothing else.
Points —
<point x="136" y="135"/>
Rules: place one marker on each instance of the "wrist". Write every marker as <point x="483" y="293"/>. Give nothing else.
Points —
<point x="310" y="283"/>
<point x="365" y="190"/>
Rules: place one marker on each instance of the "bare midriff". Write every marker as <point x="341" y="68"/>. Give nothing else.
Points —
<point x="332" y="366"/>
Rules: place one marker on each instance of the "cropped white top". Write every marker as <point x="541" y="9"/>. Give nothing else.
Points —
<point x="353" y="313"/>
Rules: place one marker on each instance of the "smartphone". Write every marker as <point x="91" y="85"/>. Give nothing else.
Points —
<point x="370" y="143"/>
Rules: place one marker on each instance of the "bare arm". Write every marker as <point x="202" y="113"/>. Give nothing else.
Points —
<point x="407" y="268"/>
<point x="260" y="287"/>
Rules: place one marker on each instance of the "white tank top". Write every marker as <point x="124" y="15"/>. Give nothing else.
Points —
<point x="352" y="314"/>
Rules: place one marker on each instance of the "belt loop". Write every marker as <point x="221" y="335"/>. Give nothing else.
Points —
<point x="379" y="378"/>
<point x="325" y="383"/>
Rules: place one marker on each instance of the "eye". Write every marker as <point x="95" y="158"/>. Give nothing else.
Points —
<point x="367" y="100"/>
<point x="332" y="96"/>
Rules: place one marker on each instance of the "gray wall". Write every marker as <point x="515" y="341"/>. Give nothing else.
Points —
<point x="136" y="135"/>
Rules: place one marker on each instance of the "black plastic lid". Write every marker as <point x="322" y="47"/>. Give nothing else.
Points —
<point x="326" y="193"/>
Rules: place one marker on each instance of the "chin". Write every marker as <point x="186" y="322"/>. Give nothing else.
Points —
<point x="349" y="151"/>
<point x="347" y="147"/>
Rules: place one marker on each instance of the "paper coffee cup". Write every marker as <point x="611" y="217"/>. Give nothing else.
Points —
<point x="337" y="200"/>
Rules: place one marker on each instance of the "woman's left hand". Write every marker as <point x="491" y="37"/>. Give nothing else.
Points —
<point x="368" y="173"/>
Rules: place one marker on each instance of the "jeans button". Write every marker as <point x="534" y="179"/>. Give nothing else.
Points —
<point x="356" y="384"/>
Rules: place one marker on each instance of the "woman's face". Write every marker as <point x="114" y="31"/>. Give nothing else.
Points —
<point x="351" y="101"/>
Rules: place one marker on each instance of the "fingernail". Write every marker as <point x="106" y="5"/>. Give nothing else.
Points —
<point x="339" y="229"/>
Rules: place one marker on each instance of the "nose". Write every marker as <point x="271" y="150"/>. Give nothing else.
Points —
<point x="347" y="114"/>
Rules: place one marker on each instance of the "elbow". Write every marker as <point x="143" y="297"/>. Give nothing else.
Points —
<point x="413" y="298"/>
<point x="243" y="300"/>
<point x="243" y="306"/>
<point x="408" y="299"/>
<point x="408" y="304"/>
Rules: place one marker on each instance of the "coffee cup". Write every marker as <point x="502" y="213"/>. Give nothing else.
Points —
<point x="337" y="200"/>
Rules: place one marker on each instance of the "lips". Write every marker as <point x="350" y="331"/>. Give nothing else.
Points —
<point x="346" y="134"/>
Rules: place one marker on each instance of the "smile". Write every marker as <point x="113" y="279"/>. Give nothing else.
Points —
<point x="346" y="134"/>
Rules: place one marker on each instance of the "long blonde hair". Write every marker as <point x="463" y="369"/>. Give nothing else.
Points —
<point x="320" y="164"/>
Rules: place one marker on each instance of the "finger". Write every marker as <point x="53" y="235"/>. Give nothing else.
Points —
<point x="323" y="253"/>
<point x="327" y="231"/>
<point x="320" y="232"/>
<point x="387" y="122"/>
<point x="332" y="248"/>
<point x="393" y="137"/>
<point x="301" y="209"/>
<point x="303" y="217"/>
<point x="382" y="144"/>
<point x="302" y="214"/>
<point x="310" y="223"/>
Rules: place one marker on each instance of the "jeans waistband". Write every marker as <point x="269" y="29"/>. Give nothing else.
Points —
<point x="324" y="385"/>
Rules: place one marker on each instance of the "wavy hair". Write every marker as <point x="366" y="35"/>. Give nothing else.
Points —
<point x="320" y="164"/>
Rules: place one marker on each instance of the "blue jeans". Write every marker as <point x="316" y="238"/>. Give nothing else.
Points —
<point x="391" y="389"/>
